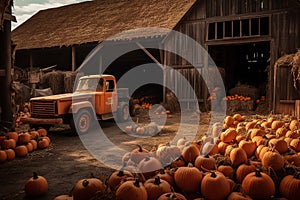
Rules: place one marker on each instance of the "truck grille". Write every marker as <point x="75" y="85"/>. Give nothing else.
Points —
<point x="43" y="108"/>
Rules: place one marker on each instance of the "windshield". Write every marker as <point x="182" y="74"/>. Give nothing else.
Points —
<point x="90" y="84"/>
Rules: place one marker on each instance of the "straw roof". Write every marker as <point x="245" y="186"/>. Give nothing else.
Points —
<point x="95" y="21"/>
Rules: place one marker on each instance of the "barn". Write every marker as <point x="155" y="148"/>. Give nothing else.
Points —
<point x="244" y="38"/>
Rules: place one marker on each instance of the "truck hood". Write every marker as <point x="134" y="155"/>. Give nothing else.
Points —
<point x="64" y="97"/>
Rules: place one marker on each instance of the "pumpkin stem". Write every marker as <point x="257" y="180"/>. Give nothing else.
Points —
<point x="35" y="175"/>
<point x="257" y="173"/>
<point x="85" y="183"/>
<point x="140" y="148"/>
<point x="137" y="182"/>
<point x="157" y="180"/>
<point x="190" y="165"/>
<point x="147" y="158"/>
<point x="213" y="175"/>
<point x="121" y="173"/>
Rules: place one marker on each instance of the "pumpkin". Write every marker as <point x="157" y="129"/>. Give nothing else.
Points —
<point x="190" y="153"/>
<point x="263" y="151"/>
<point x="3" y="156"/>
<point x="168" y="153"/>
<point x="295" y="144"/>
<point x="140" y="130"/>
<point x="228" y="135"/>
<point x="238" y="196"/>
<point x="166" y="175"/>
<point x="29" y="147"/>
<point x="290" y="186"/>
<point x="9" y="144"/>
<point x="36" y="185"/>
<point x="292" y="134"/>
<point x="258" y="140"/>
<point x="116" y="178"/>
<point x="266" y="125"/>
<point x="273" y="159"/>
<point x="149" y="166"/>
<point x="280" y="132"/>
<point x="293" y="159"/>
<point x="214" y="180"/>
<point x="138" y="154"/>
<point x="205" y="162"/>
<point x="238" y="156"/>
<point x="248" y="146"/>
<point x="226" y="170"/>
<point x="10" y="154"/>
<point x="21" y="151"/>
<point x="229" y="149"/>
<point x="210" y="148"/>
<point x="64" y="197"/>
<point x="222" y="147"/>
<point x="188" y="179"/>
<point x="43" y="143"/>
<point x="250" y="125"/>
<point x="277" y="124"/>
<point x="258" y="150"/>
<point x="178" y="163"/>
<point x="239" y="138"/>
<point x="42" y="132"/>
<point x="156" y="187"/>
<point x="128" y="129"/>
<point x="256" y="132"/>
<point x="258" y="185"/>
<point x="87" y="188"/>
<point x="131" y="190"/>
<point x="228" y="120"/>
<point x="238" y="117"/>
<point x="279" y="144"/>
<point x="12" y="135"/>
<point x="172" y="196"/>
<point x="24" y="138"/>
<point x="34" y="144"/>
<point x="34" y="134"/>
<point x="294" y="125"/>
<point x="181" y="141"/>
<point x="243" y="170"/>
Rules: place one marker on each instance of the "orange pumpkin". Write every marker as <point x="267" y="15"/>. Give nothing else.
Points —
<point x="24" y="138"/>
<point x="295" y="144"/>
<point x="87" y="188"/>
<point x="190" y="153"/>
<point x="289" y="186"/>
<point x="273" y="159"/>
<point x="21" y="151"/>
<point x="138" y="154"/>
<point x="42" y="132"/>
<point x="205" y="162"/>
<point x="116" y="178"/>
<point x="12" y="135"/>
<point x="253" y="183"/>
<point x="188" y="179"/>
<point x="226" y="170"/>
<point x="172" y="196"/>
<point x="243" y="170"/>
<point x="238" y="156"/>
<point x="3" y="156"/>
<point x="10" y="154"/>
<point x="214" y="180"/>
<point x="131" y="190"/>
<point x="36" y="186"/>
<point x="43" y="143"/>
<point x="156" y="187"/>
<point x="228" y="135"/>
<point x="248" y="146"/>
<point x="9" y="144"/>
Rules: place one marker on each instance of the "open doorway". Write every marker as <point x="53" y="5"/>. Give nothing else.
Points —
<point x="243" y="63"/>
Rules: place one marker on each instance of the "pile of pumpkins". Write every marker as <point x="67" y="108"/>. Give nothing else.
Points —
<point x="240" y="158"/>
<point x="237" y="97"/>
<point x="14" y="144"/>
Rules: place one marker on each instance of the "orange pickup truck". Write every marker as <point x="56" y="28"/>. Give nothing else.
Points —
<point x="96" y="97"/>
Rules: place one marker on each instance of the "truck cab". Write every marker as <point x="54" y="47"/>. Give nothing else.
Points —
<point x="96" y="97"/>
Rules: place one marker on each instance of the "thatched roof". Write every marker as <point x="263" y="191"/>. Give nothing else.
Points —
<point x="95" y="21"/>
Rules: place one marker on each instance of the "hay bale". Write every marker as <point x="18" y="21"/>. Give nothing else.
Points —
<point x="237" y="105"/>
<point x="69" y="80"/>
<point x="245" y="90"/>
<point x="53" y="80"/>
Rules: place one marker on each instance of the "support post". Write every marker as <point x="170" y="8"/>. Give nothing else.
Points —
<point x="73" y="58"/>
<point x="5" y="81"/>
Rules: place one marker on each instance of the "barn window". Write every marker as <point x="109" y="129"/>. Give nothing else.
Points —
<point x="248" y="27"/>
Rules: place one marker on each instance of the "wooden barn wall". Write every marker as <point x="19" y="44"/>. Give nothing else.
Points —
<point x="284" y="29"/>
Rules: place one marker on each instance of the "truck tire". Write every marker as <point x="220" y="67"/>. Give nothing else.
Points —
<point x="82" y="121"/>
<point x="123" y="113"/>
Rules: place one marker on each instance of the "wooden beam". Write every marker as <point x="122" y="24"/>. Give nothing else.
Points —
<point x="73" y="58"/>
<point x="150" y="55"/>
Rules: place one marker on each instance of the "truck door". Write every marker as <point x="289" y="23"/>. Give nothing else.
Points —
<point x="110" y="96"/>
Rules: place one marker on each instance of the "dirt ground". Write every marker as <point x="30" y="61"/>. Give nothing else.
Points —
<point x="66" y="160"/>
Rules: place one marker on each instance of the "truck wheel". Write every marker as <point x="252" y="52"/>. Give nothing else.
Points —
<point x="123" y="113"/>
<point x="82" y="121"/>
